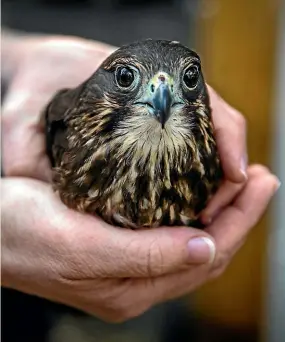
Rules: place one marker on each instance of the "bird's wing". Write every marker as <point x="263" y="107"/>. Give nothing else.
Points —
<point x="53" y="122"/>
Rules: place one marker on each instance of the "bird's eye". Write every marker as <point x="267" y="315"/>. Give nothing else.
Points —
<point x="191" y="76"/>
<point x="125" y="77"/>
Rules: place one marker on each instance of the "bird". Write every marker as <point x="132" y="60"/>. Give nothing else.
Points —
<point x="134" y="144"/>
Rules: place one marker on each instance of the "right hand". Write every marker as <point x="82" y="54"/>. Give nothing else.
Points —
<point x="54" y="252"/>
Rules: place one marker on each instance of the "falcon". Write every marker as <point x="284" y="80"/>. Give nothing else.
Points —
<point x="134" y="143"/>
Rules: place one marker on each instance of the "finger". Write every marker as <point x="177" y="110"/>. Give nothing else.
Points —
<point x="145" y="253"/>
<point x="230" y="133"/>
<point x="231" y="227"/>
<point x="224" y="196"/>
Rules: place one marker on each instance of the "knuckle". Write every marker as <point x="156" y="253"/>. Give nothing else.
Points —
<point x="149" y="259"/>
<point x="239" y="119"/>
<point x="155" y="260"/>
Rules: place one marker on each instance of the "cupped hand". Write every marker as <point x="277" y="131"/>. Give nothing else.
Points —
<point x="116" y="274"/>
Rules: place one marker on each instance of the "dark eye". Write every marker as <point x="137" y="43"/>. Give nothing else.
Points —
<point x="125" y="77"/>
<point x="191" y="76"/>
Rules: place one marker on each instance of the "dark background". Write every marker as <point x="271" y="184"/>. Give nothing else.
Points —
<point x="112" y="21"/>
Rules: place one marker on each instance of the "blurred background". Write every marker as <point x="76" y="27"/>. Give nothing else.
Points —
<point x="241" y="43"/>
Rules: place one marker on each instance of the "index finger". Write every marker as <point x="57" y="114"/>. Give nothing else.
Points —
<point x="230" y="133"/>
<point x="235" y="222"/>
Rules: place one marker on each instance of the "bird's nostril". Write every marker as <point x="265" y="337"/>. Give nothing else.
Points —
<point x="152" y="88"/>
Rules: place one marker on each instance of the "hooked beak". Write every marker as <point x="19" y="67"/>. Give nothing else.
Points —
<point x="161" y="102"/>
<point x="159" y="97"/>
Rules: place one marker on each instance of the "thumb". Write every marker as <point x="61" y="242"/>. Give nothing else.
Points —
<point x="155" y="252"/>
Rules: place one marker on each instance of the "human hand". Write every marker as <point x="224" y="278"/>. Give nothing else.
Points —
<point x="44" y="65"/>
<point x="230" y="134"/>
<point x="116" y="274"/>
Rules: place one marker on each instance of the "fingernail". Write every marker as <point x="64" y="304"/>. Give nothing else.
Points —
<point x="201" y="250"/>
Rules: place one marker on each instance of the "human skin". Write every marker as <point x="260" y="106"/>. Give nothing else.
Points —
<point x="54" y="252"/>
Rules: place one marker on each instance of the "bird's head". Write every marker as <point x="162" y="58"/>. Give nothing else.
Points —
<point x="150" y="91"/>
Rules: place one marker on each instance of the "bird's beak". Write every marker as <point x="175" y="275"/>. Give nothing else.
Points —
<point x="159" y="97"/>
<point x="161" y="102"/>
